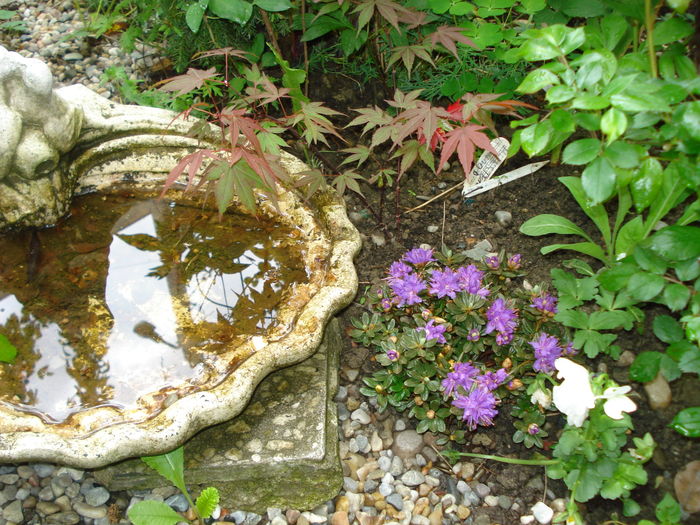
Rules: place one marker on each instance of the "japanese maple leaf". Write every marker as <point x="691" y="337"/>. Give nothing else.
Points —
<point x="389" y="10"/>
<point x="423" y="120"/>
<point x="266" y="91"/>
<point x="448" y="36"/>
<point x="464" y="140"/>
<point x="238" y="124"/>
<point x="246" y="55"/>
<point x="315" y="125"/>
<point x="193" y="79"/>
<point x="408" y="55"/>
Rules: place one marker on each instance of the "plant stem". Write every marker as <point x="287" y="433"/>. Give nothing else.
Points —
<point x="270" y="32"/>
<point x="649" y="15"/>
<point x="512" y="461"/>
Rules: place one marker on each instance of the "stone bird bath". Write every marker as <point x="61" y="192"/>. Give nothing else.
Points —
<point x="56" y="143"/>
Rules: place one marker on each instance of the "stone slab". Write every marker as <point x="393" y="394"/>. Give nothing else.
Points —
<point x="281" y="451"/>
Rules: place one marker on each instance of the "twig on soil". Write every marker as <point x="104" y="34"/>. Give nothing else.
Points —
<point x="442" y="232"/>
<point x="448" y="190"/>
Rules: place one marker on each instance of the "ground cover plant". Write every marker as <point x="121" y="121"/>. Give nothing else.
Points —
<point x="607" y="88"/>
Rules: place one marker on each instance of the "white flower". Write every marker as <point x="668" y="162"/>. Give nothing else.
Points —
<point x="574" y="396"/>
<point x="617" y="402"/>
<point x="542" y="512"/>
<point x="541" y="397"/>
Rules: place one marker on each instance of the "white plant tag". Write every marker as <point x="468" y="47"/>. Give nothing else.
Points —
<point x="487" y="164"/>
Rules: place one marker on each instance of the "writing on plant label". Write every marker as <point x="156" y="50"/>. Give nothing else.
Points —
<point x="488" y="163"/>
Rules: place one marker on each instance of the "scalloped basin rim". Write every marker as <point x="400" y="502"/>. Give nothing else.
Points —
<point x="25" y="437"/>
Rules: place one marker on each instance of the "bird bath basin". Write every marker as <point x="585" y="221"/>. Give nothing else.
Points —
<point x="140" y="321"/>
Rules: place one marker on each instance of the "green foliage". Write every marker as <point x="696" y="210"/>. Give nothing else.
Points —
<point x="8" y="24"/>
<point x="668" y="512"/>
<point x="8" y="351"/>
<point x="171" y="467"/>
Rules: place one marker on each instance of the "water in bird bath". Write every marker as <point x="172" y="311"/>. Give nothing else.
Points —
<point x="134" y="301"/>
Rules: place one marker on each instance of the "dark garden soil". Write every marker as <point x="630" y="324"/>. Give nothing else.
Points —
<point x="461" y="225"/>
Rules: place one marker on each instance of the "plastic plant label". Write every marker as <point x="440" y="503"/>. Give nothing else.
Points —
<point x="488" y="163"/>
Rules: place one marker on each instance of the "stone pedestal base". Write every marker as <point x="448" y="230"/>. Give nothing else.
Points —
<point x="281" y="451"/>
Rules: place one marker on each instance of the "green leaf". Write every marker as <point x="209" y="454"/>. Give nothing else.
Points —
<point x="687" y="270"/>
<point x="649" y="261"/>
<point x="549" y="223"/>
<point x="273" y="6"/>
<point x="321" y="26"/>
<point x="644" y="286"/>
<point x="679" y="6"/>
<point x="613" y="124"/>
<point x="629" y="235"/>
<point x="596" y="213"/>
<point x="646" y="183"/>
<point x="688" y="117"/>
<point x="677" y="243"/>
<point x="170" y="466"/>
<point x="536" y="80"/>
<point x="622" y="154"/>
<point x="668" y="511"/>
<point x="598" y="180"/>
<point x="572" y="318"/>
<point x="687" y="422"/>
<point x="207" y="502"/>
<point x="587" y="248"/>
<point x="238" y="11"/>
<point x="578" y="9"/>
<point x="667" y="329"/>
<point x="195" y="14"/>
<point x="645" y="366"/>
<point x="633" y="103"/>
<point x="671" y="30"/>
<point x="593" y="342"/>
<point x="610" y="320"/>
<point x="689" y="361"/>
<point x="581" y="151"/>
<point x="616" y="278"/>
<point x="534" y="139"/>
<point x="153" y="513"/>
<point x="8" y="352"/>
<point x="559" y="94"/>
<point x="676" y="296"/>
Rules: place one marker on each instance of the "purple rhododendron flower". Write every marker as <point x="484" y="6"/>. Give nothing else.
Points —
<point x="533" y="429"/>
<point x="547" y="350"/>
<point x="493" y="262"/>
<point x="392" y="355"/>
<point x="545" y="303"/>
<point x="444" y="283"/>
<point x="387" y="303"/>
<point x="419" y="256"/>
<point x="503" y="338"/>
<point x="407" y="289"/>
<point x="470" y="280"/>
<point x="569" y="350"/>
<point x="433" y="331"/>
<point x="463" y="375"/>
<point x="473" y="335"/>
<point x="479" y="407"/>
<point x="514" y="261"/>
<point x="500" y="318"/>
<point x="492" y="380"/>
<point x="399" y="270"/>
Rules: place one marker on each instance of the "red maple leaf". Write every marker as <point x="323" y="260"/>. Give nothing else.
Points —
<point x="464" y="140"/>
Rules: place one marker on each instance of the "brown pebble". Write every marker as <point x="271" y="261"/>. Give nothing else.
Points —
<point x="342" y="504"/>
<point x="463" y="512"/>
<point x="340" y="517"/>
<point x="292" y="516"/>
<point x="435" y="517"/>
